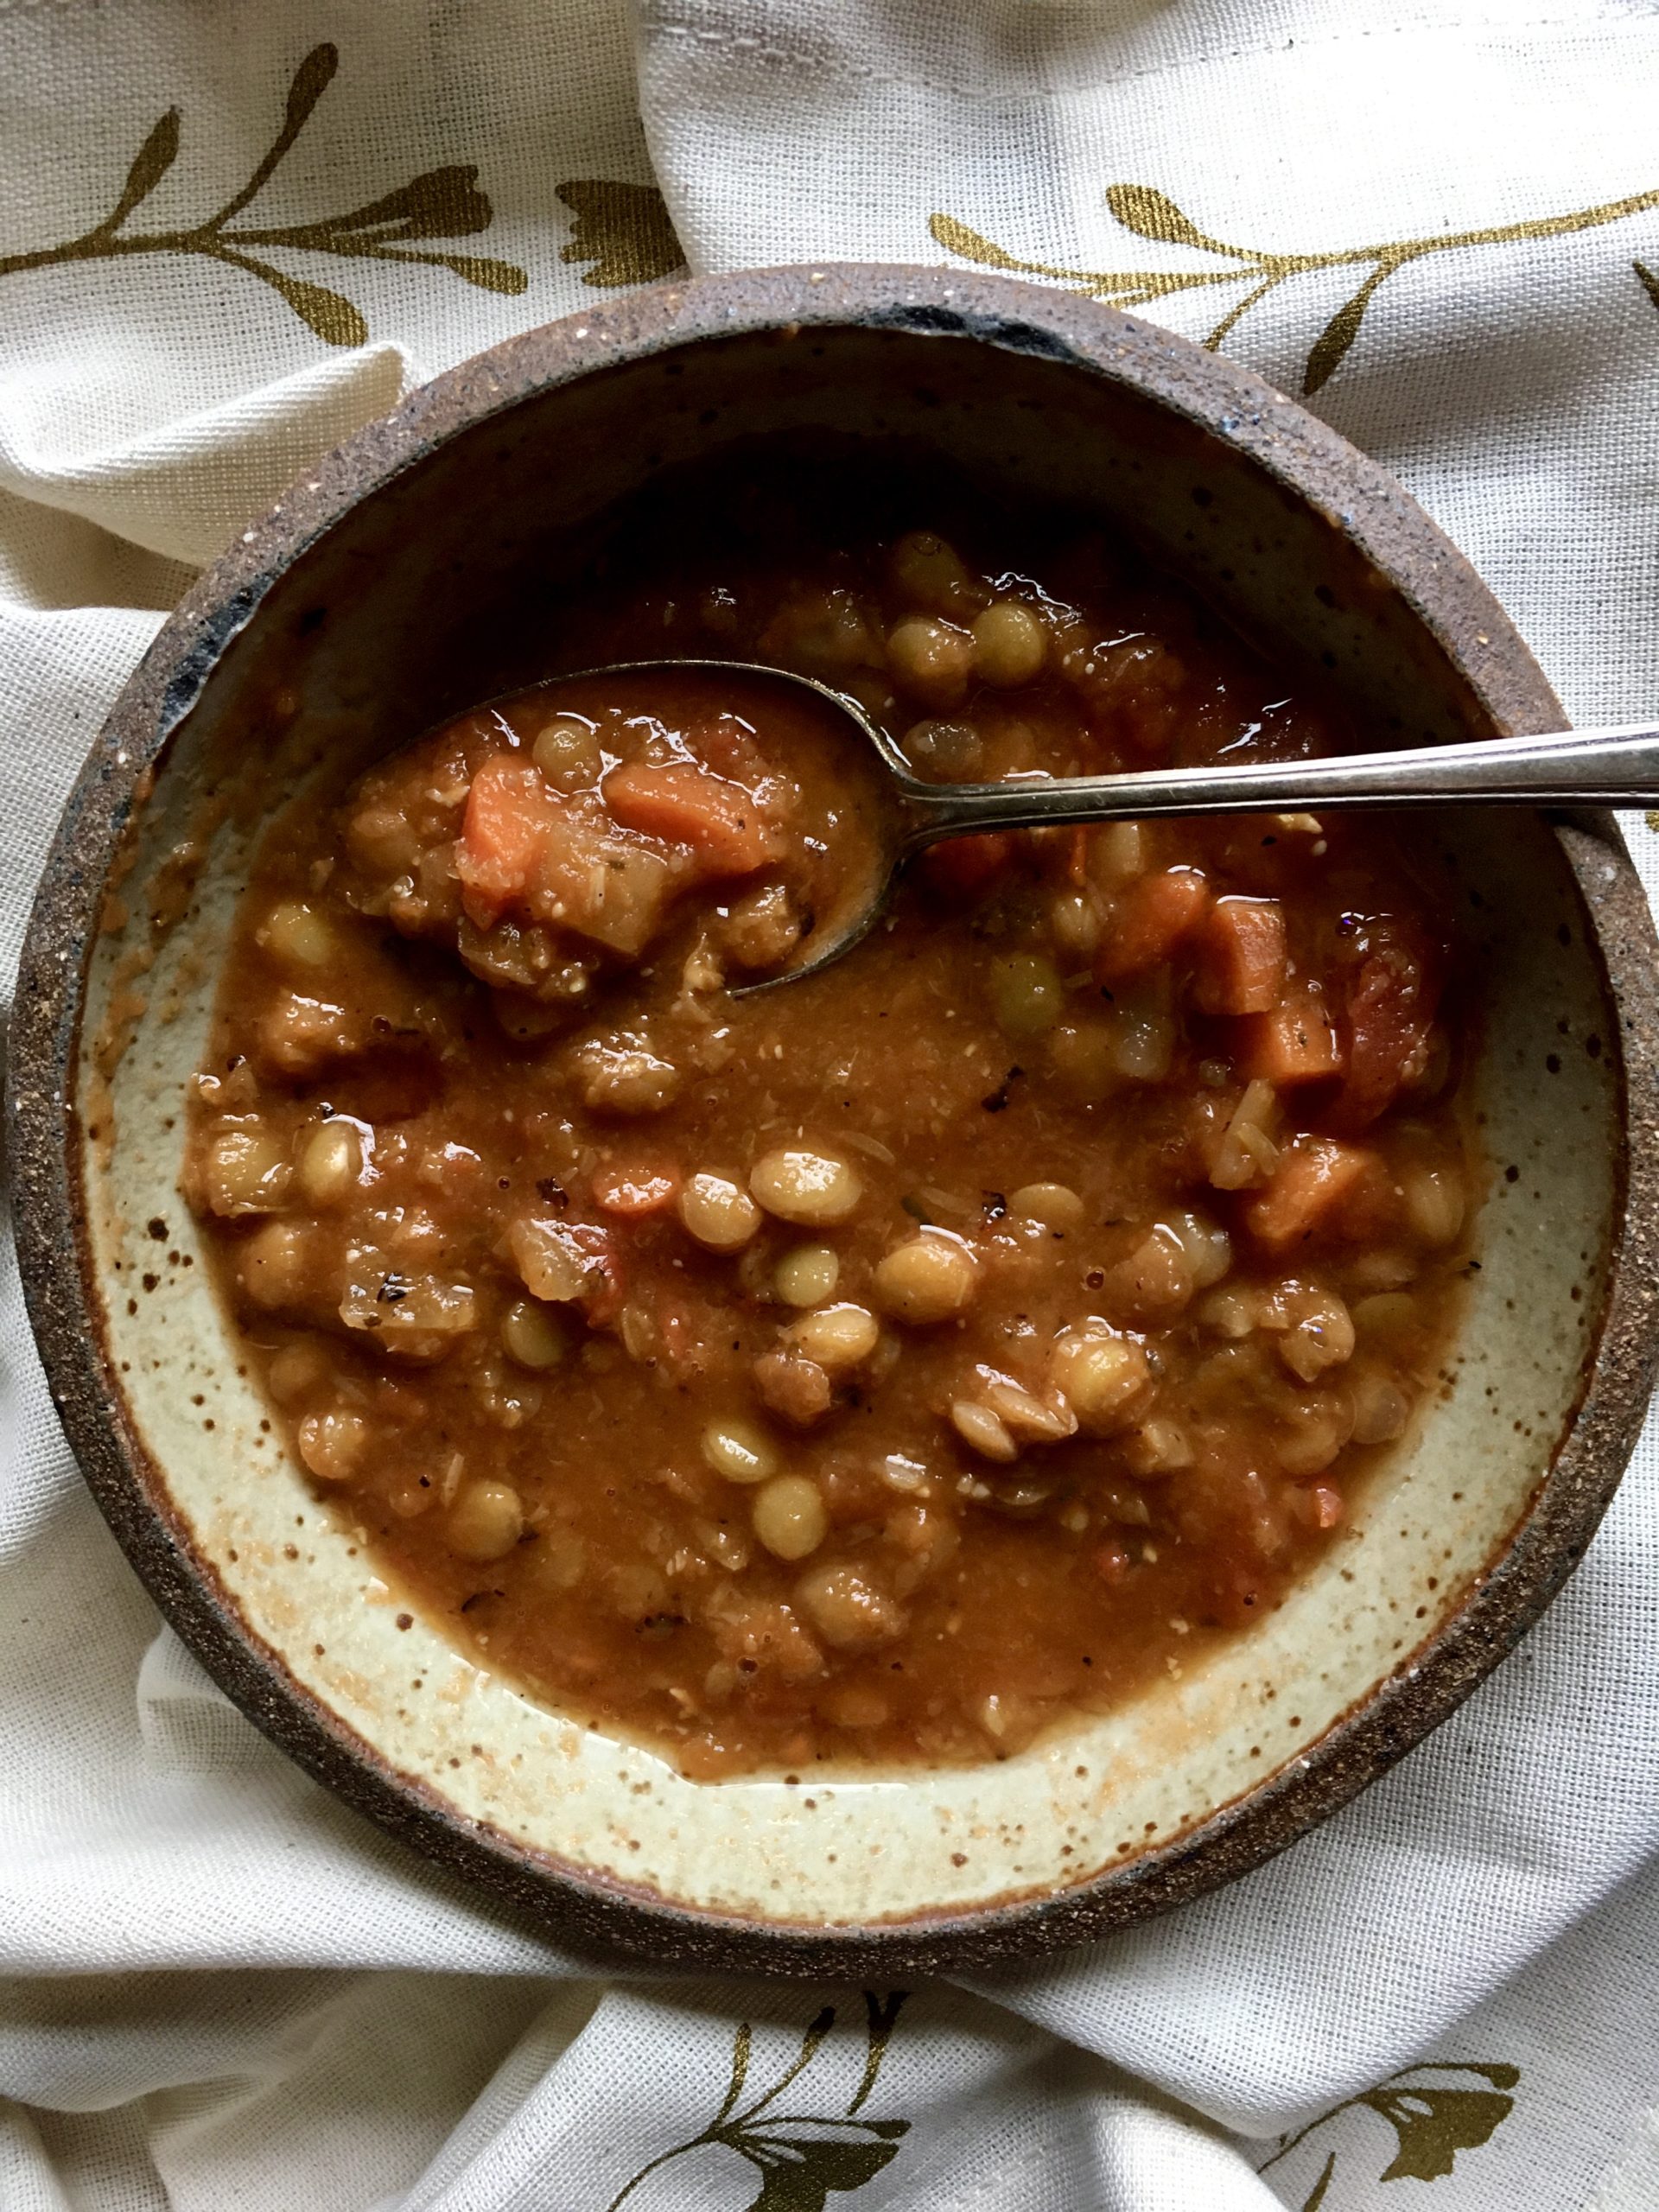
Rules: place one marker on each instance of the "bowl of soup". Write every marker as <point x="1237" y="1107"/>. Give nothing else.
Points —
<point x="906" y="1468"/>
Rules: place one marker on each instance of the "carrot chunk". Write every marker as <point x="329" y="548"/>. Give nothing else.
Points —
<point x="1149" y="922"/>
<point x="1295" y="1042"/>
<point x="1311" y="1179"/>
<point x="634" y="1193"/>
<point x="682" y="804"/>
<point x="523" y="845"/>
<point x="1241" y="956"/>
<point x="510" y="812"/>
<point x="959" y="866"/>
<point x="1391" y="1006"/>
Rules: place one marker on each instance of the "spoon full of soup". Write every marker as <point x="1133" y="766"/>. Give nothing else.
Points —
<point x="647" y="779"/>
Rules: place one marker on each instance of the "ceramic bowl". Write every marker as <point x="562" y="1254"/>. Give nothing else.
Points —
<point x="390" y="588"/>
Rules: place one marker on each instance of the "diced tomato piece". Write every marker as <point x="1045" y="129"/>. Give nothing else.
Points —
<point x="723" y="746"/>
<point x="683" y="804"/>
<point x="603" y="1299"/>
<point x="1149" y="921"/>
<point x="510" y="811"/>
<point x="959" y="866"/>
<point x="1391" y="1006"/>
<point x="1295" y="1042"/>
<point x="1298" y="1199"/>
<point x="1241" y="956"/>
<point x="1111" y="1561"/>
<point x="634" y="1193"/>
<point x="1317" y="1506"/>
<point x="683" y="1342"/>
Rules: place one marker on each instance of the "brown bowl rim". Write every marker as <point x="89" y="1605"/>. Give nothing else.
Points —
<point x="1309" y="461"/>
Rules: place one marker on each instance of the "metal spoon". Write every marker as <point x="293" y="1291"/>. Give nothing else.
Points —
<point x="898" y="816"/>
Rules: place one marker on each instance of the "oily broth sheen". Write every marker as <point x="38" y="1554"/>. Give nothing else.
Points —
<point x="881" y="1369"/>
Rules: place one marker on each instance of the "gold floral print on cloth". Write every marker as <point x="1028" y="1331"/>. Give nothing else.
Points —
<point x="1432" y="2119"/>
<point x="442" y="203"/>
<point x="803" y="2158"/>
<point x="623" y="229"/>
<point x="1152" y="214"/>
<point x="1436" y="2110"/>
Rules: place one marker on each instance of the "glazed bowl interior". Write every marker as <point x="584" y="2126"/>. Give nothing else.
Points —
<point x="423" y="597"/>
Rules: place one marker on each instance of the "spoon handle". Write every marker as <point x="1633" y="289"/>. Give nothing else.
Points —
<point x="1608" y="767"/>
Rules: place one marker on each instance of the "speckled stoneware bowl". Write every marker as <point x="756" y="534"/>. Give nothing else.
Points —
<point x="383" y="593"/>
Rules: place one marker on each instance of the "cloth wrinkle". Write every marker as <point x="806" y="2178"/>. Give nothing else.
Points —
<point x="747" y="44"/>
<point x="220" y="1991"/>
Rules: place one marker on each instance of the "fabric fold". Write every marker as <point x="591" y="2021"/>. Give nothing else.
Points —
<point x="1442" y="227"/>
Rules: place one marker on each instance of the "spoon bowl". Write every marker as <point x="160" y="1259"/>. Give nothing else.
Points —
<point x="893" y="815"/>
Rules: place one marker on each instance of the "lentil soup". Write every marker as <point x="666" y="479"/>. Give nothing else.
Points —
<point x="885" y="1368"/>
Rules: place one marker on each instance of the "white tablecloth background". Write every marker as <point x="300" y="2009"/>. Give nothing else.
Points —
<point x="219" y="1989"/>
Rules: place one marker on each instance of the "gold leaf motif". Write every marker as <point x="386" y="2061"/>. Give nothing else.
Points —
<point x="1338" y="335"/>
<point x="969" y="245"/>
<point x="804" y="2161"/>
<point x="311" y="81"/>
<point x="331" y="314"/>
<point x="623" y="229"/>
<point x="803" y="2158"/>
<point x="1434" y="2123"/>
<point x="1150" y="214"/>
<point x="1316" y="2197"/>
<point x="1432" y="2120"/>
<point x="442" y="203"/>
<point x="881" y="2017"/>
<point x="489" y="276"/>
<point x="149" y="165"/>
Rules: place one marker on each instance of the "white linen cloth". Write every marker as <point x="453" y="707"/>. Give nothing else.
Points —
<point x="220" y="1990"/>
